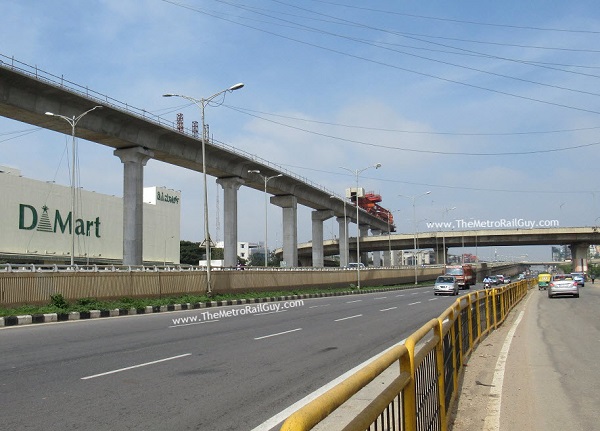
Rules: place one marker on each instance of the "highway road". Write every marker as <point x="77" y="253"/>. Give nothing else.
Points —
<point x="231" y="371"/>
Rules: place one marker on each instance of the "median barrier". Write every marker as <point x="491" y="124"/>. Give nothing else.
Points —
<point x="35" y="286"/>
<point x="429" y="366"/>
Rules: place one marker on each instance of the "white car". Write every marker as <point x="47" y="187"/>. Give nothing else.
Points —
<point x="563" y="284"/>
<point x="445" y="285"/>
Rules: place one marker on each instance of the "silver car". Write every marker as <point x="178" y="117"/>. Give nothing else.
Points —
<point x="563" y="284"/>
<point x="445" y="285"/>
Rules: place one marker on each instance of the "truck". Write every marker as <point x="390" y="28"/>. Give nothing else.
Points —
<point x="465" y="275"/>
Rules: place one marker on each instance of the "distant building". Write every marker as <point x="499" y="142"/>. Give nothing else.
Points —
<point x="245" y="250"/>
<point x="36" y="223"/>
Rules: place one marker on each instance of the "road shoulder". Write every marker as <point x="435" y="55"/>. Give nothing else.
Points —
<point x="477" y="385"/>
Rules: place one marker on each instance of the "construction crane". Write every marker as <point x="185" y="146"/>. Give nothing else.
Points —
<point x="370" y="203"/>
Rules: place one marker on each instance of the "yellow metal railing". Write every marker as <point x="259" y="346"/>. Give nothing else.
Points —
<point x="430" y="363"/>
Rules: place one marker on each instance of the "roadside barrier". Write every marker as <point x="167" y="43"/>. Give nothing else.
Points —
<point x="431" y="362"/>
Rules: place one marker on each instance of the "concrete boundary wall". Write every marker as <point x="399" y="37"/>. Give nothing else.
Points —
<point x="20" y="288"/>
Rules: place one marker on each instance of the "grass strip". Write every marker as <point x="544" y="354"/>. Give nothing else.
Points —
<point x="59" y="305"/>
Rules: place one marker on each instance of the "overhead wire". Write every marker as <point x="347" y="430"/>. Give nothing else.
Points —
<point x="414" y="150"/>
<point x="436" y="60"/>
<point x="417" y="132"/>
<point x="385" y="64"/>
<point x="458" y="21"/>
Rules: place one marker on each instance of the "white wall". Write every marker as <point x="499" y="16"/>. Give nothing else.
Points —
<point x="35" y="219"/>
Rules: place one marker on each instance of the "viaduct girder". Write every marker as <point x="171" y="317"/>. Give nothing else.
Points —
<point x="26" y="96"/>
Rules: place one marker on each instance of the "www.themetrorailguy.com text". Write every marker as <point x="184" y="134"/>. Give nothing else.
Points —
<point x="207" y="316"/>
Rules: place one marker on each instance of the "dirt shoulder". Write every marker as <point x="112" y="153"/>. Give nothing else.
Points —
<point x="470" y="412"/>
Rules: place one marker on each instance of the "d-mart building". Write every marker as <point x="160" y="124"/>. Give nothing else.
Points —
<point x="36" y="223"/>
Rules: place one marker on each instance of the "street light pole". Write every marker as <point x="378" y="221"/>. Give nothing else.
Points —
<point x="345" y="228"/>
<point x="202" y="103"/>
<point x="446" y="211"/>
<point x="390" y="237"/>
<point x="266" y="180"/>
<point x="357" y="172"/>
<point x="73" y="122"/>
<point x="413" y="199"/>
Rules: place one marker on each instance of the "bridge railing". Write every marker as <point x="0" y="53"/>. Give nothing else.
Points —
<point x="429" y="364"/>
<point x="31" y="267"/>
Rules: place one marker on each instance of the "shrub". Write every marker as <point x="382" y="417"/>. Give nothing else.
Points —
<point x="58" y="301"/>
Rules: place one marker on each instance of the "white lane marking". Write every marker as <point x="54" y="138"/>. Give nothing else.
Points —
<point x="399" y="295"/>
<point x="414" y="303"/>
<point x="381" y="297"/>
<point x="415" y="293"/>
<point x="283" y="415"/>
<point x="279" y="333"/>
<point x="135" y="366"/>
<point x="492" y="420"/>
<point x="350" y="302"/>
<point x="315" y="306"/>
<point x="269" y="312"/>
<point x="195" y="323"/>
<point x="346" y="318"/>
<point x="433" y="299"/>
<point x="387" y="309"/>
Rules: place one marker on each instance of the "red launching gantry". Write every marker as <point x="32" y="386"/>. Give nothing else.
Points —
<point x="369" y="202"/>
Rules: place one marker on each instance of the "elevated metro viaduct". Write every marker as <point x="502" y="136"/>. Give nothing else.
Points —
<point x="27" y="93"/>
<point x="578" y="238"/>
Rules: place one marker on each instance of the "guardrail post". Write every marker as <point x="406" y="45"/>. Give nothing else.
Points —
<point x="470" y="322"/>
<point x="478" y="315"/>
<point x="439" y="332"/>
<point x="409" y="406"/>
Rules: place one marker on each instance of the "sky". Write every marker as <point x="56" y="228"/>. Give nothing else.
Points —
<point x="490" y="106"/>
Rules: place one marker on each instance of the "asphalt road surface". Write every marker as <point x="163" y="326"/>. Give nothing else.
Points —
<point x="231" y="371"/>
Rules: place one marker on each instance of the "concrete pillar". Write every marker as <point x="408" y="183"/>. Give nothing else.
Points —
<point x="318" y="217"/>
<point x="230" y="227"/>
<point x="579" y="254"/>
<point x="352" y="256"/>
<point x="376" y="254"/>
<point x="439" y="255"/>
<point x="364" y="256"/>
<point x="305" y="261"/>
<point x="387" y="258"/>
<point x="134" y="160"/>
<point x="343" y="242"/>
<point x="289" y="204"/>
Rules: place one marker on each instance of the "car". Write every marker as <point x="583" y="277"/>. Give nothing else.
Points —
<point x="495" y="280"/>
<point x="500" y="278"/>
<point x="446" y="285"/>
<point x="506" y="280"/>
<point x="579" y="277"/>
<point x="354" y="265"/>
<point x="563" y="284"/>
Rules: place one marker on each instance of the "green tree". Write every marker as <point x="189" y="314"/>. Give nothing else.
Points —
<point x="257" y="259"/>
<point x="190" y="253"/>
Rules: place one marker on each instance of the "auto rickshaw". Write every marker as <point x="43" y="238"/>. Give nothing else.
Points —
<point x="543" y="280"/>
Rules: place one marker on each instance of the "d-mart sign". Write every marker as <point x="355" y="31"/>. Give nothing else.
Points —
<point x="29" y="220"/>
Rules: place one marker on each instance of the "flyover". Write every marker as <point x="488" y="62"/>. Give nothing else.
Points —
<point x="578" y="238"/>
<point x="27" y="93"/>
